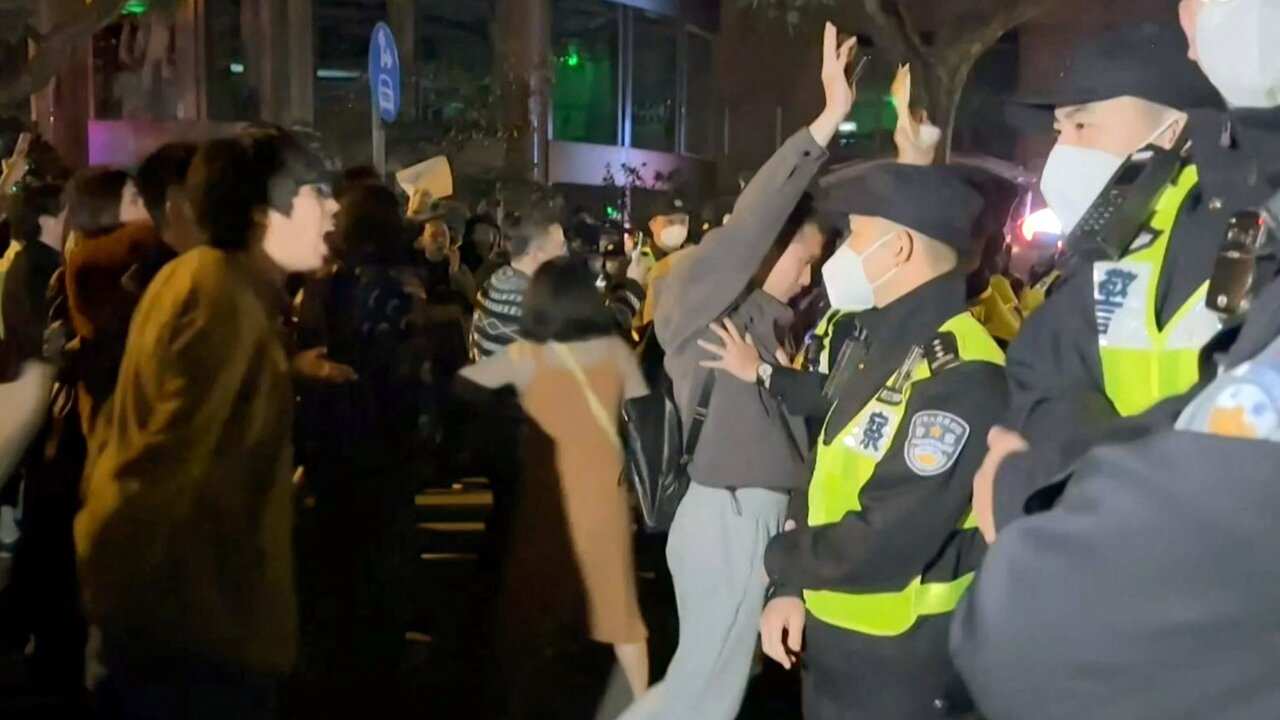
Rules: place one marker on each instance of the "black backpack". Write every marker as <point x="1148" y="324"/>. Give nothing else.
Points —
<point x="658" y="451"/>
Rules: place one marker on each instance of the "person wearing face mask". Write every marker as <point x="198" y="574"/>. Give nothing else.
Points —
<point x="803" y="384"/>
<point x="880" y="547"/>
<point x="1180" y="513"/>
<point x="1118" y="336"/>
<point x="669" y="228"/>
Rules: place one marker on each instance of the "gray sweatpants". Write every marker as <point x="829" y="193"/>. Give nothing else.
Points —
<point x="716" y="555"/>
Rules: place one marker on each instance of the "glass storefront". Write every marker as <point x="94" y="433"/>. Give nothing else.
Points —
<point x="654" y="82"/>
<point x="699" y="114"/>
<point x="585" y="38"/>
<point x="626" y="76"/>
<point x="229" y="91"/>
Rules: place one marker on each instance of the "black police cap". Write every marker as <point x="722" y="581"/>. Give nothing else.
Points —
<point x="1147" y="61"/>
<point x="669" y="205"/>
<point x="933" y="201"/>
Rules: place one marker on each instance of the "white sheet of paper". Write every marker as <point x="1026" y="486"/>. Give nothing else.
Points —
<point x="433" y="176"/>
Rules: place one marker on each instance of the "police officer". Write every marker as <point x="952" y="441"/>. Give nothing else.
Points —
<point x="1150" y="591"/>
<point x="1118" y="336"/>
<point x="669" y="228"/>
<point x="882" y="545"/>
<point x="1160" y="551"/>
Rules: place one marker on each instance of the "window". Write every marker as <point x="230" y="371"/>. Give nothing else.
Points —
<point x="699" y="120"/>
<point x="134" y="63"/>
<point x="230" y="92"/>
<point x="584" y="39"/>
<point x="654" y="82"/>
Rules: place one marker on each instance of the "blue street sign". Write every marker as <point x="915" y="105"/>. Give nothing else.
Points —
<point x="384" y="72"/>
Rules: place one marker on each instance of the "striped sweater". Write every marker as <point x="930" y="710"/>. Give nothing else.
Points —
<point x="499" y="307"/>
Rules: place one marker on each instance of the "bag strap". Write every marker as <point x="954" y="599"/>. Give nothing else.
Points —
<point x="699" y="419"/>
<point x="593" y="400"/>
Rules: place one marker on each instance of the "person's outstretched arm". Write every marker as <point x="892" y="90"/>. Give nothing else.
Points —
<point x="705" y="285"/>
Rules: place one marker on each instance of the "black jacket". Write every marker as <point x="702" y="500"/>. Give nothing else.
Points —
<point x="906" y="518"/>
<point x="1151" y="589"/>
<point x="1055" y="374"/>
<point x="802" y="391"/>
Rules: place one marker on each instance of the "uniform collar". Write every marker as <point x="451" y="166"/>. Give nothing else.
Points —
<point x="1237" y="154"/>
<point x="915" y="317"/>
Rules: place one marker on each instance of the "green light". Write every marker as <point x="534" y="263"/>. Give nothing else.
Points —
<point x="572" y="57"/>
<point x="612" y="213"/>
<point x="134" y="7"/>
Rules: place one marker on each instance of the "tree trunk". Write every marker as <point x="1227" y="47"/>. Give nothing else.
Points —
<point x="522" y="76"/>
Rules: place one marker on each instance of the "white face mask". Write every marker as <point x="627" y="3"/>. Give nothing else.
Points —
<point x="1235" y="45"/>
<point x="845" y="276"/>
<point x="673" y="236"/>
<point x="1075" y="176"/>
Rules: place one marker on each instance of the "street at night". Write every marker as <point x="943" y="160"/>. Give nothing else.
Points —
<point x="639" y="359"/>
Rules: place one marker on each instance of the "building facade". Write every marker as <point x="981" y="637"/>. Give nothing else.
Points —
<point x="600" y="91"/>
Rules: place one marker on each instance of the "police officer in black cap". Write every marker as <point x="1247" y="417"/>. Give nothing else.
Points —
<point x="1123" y="330"/>
<point x="1150" y="589"/>
<point x="882" y="545"/>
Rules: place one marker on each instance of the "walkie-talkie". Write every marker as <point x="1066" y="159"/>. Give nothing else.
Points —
<point x="1115" y="219"/>
<point x="1234" y="272"/>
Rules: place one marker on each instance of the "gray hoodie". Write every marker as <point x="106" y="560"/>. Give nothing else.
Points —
<point x="748" y="441"/>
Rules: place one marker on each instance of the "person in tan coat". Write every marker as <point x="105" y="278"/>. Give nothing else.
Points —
<point x="185" y="538"/>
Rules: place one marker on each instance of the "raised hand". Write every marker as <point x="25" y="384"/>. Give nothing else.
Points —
<point x="916" y="139"/>
<point x="840" y="92"/>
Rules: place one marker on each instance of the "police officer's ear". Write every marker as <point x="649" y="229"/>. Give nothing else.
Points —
<point x="904" y="244"/>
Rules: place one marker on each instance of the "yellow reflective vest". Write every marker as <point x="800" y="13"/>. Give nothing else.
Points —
<point x="842" y="469"/>
<point x="818" y="344"/>
<point x="1142" y="363"/>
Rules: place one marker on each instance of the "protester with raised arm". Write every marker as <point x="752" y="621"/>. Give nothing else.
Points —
<point x="751" y="453"/>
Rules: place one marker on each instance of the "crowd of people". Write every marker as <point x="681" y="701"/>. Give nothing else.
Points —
<point x="934" y="489"/>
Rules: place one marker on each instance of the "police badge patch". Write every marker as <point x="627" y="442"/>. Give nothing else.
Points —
<point x="1243" y="404"/>
<point x="935" y="441"/>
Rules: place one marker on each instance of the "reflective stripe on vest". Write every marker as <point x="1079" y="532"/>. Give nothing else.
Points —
<point x="1141" y="363"/>
<point x="848" y="463"/>
<point x="822" y="334"/>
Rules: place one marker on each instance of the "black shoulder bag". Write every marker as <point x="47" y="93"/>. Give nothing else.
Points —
<point x="658" y="453"/>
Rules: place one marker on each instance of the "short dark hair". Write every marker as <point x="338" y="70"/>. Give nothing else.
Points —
<point x="225" y="188"/>
<point x="528" y="226"/>
<point x="562" y="304"/>
<point x="353" y="177"/>
<point x="285" y="162"/>
<point x="370" y="226"/>
<point x="231" y="178"/>
<point x="804" y="213"/>
<point x="32" y="202"/>
<point x="93" y="201"/>
<point x="162" y="171"/>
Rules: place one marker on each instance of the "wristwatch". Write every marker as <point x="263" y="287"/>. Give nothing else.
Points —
<point x="764" y="375"/>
